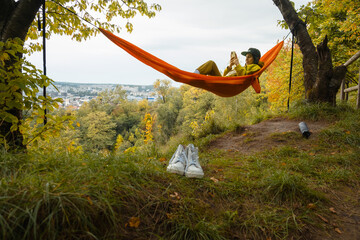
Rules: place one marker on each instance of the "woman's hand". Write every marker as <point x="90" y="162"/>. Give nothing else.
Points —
<point x="234" y="62"/>
<point x="233" y="59"/>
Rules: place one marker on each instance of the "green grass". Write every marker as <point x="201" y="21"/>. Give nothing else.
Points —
<point x="319" y="111"/>
<point x="62" y="195"/>
<point x="286" y="186"/>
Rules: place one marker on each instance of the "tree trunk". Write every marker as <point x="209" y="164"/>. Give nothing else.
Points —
<point x="15" y="20"/>
<point x="321" y="80"/>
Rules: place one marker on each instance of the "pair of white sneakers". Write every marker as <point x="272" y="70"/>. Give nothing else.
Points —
<point x="186" y="161"/>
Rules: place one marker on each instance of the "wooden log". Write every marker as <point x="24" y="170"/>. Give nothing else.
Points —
<point x="343" y="96"/>
<point x="352" y="59"/>
<point x="358" y="94"/>
<point x="342" y="88"/>
<point x="350" y="89"/>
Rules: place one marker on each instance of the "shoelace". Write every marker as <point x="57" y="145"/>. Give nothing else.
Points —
<point x="180" y="155"/>
<point x="193" y="159"/>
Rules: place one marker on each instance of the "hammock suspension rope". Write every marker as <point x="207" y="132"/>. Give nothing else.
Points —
<point x="291" y="67"/>
<point x="44" y="52"/>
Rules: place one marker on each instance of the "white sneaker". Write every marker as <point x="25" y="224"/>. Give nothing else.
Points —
<point x="193" y="168"/>
<point x="178" y="161"/>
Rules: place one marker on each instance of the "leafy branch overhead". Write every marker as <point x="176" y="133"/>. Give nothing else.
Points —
<point x="60" y="17"/>
<point x="109" y="15"/>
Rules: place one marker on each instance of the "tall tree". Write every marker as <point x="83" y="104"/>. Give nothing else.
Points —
<point x="17" y="21"/>
<point x="321" y="80"/>
<point x="162" y="87"/>
<point x="167" y="114"/>
<point x="99" y="131"/>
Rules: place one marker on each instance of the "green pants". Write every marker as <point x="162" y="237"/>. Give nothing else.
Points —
<point x="209" y="68"/>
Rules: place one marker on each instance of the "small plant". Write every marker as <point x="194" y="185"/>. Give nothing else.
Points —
<point x="211" y="125"/>
<point x="199" y="231"/>
<point x="283" y="186"/>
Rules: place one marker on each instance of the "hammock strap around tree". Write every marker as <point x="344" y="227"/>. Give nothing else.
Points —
<point x="291" y="69"/>
<point x="222" y="86"/>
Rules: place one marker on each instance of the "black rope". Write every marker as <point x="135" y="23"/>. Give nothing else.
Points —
<point x="293" y="31"/>
<point x="291" y="67"/>
<point x="71" y="11"/>
<point x="287" y="36"/>
<point x="44" y="56"/>
<point x="44" y="42"/>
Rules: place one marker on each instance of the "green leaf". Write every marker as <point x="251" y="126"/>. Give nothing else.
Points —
<point x="13" y="128"/>
<point x="39" y="120"/>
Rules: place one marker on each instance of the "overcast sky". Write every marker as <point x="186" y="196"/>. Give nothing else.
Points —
<point x="184" y="33"/>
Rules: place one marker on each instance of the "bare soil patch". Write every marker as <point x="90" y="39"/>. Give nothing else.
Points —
<point x="267" y="135"/>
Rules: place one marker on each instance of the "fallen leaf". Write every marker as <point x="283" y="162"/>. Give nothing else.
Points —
<point x="347" y="132"/>
<point x="332" y="210"/>
<point x="162" y="159"/>
<point x="134" y="222"/>
<point x="175" y="195"/>
<point x="84" y="164"/>
<point x="333" y="153"/>
<point x="283" y="164"/>
<point x="214" y="180"/>
<point x="322" y="218"/>
<point x="311" y="206"/>
<point x="338" y="230"/>
<point x="211" y="194"/>
<point x="312" y="154"/>
<point x="244" y="134"/>
<point x="89" y="200"/>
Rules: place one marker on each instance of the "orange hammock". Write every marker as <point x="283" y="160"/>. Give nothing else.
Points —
<point x="222" y="86"/>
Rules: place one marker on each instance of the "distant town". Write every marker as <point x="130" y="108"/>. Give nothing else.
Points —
<point x="75" y="94"/>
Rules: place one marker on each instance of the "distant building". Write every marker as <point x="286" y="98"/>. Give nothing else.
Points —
<point x="76" y="94"/>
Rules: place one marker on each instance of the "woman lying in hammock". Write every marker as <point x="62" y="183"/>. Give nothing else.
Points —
<point x="234" y="69"/>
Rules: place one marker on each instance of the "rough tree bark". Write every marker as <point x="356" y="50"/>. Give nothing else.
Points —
<point x="15" y="20"/>
<point x="321" y="80"/>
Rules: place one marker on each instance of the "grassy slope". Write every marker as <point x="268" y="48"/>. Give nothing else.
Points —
<point x="278" y="194"/>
